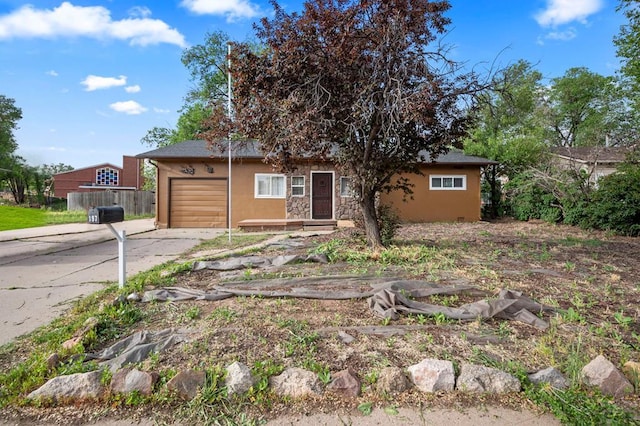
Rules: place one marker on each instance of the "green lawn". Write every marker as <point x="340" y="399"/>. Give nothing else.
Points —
<point x="21" y="217"/>
<point x="24" y="217"/>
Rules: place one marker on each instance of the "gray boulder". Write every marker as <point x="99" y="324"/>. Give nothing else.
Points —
<point x="433" y="375"/>
<point x="478" y="378"/>
<point x="296" y="382"/>
<point x="239" y="379"/>
<point x="551" y="376"/>
<point x="75" y="386"/>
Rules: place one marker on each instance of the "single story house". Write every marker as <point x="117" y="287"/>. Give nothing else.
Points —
<point x="596" y="161"/>
<point x="100" y="177"/>
<point x="192" y="189"/>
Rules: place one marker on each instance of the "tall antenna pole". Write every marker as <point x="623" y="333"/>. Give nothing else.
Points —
<point x="229" y="134"/>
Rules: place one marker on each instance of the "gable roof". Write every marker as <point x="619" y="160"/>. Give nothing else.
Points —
<point x="588" y="154"/>
<point x="96" y="166"/>
<point x="199" y="149"/>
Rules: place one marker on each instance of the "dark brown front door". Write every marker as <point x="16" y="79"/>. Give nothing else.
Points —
<point x="322" y="196"/>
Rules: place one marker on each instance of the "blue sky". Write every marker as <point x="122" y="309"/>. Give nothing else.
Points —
<point x="93" y="76"/>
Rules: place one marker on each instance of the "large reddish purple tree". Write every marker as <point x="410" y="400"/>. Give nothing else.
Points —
<point x="365" y="82"/>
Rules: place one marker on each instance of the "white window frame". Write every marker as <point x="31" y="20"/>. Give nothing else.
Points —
<point x="346" y="191"/>
<point x="270" y="177"/>
<point x="447" y="188"/>
<point x="301" y="186"/>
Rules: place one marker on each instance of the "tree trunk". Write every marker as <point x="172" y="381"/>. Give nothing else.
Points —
<point x="495" y="193"/>
<point x="370" y="220"/>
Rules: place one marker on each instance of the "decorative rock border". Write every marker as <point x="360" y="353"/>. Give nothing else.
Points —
<point x="430" y="375"/>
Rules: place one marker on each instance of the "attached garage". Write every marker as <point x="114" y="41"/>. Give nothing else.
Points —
<point x="198" y="203"/>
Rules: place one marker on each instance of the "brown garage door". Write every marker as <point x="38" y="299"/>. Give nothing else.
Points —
<point x="198" y="203"/>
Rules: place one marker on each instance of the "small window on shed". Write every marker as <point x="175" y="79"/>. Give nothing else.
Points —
<point x="448" y="182"/>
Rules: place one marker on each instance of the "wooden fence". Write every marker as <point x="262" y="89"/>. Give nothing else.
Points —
<point x="134" y="202"/>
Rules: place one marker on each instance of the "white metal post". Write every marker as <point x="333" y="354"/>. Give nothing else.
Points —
<point x="121" y="236"/>
<point x="229" y="135"/>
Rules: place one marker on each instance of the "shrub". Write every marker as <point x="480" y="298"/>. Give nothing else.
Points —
<point x="527" y="200"/>
<point x="615" y="205"/>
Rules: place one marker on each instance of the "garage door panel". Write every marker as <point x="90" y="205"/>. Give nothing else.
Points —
<point x="198" y="203"/>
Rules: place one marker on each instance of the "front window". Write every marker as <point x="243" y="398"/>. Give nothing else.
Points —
<point x="345" y="187"/>
<point x="270" y="186"/>
<point x="448" y="182"/>
<point x="297" y="186"/>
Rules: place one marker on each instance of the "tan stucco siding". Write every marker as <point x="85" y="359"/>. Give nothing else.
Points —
<point x="244" y="204"/>
<point x="430" y="205"/>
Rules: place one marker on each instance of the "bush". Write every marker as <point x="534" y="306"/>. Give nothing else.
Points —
<point x="615" y="204"/>
<point x="528" y="200"/>
<point x="388" y="222"/>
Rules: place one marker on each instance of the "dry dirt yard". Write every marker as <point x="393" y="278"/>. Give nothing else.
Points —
<point x="592" y="279"/>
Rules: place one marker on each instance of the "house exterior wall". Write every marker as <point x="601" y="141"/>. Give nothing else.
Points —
<point x="244" y="204"/>
<point x="427" y="205"/>
<point x="430" y="205"/>
<point x="595" y="171"/>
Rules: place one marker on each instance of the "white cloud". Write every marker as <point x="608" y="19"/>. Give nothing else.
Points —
<point x="140" y="12"/>
<point x="52" y="73"/>
<point x="566" y="35"/>
<point x="95" y="82"/>
<point x="68" y="20"/>
<point x="132" y="89"/>
<point x="560" y="12"/>
<point x="232" y="9"/>
<point x="161" y="111"/>
<point x="128" y="107"/>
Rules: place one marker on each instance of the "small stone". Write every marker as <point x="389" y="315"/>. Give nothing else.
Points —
<point x="186" y="383"/>
<point x="433" y="375"/>
<point x="53" y="361"/>
<point x="392" y="381"/>
<point x="296" y="383"/>
<point x="478" y="378"/>
<point x="345" y="383"/>
<point x="602" y="373"/>
<point x="239" y="379"/>
<point x="130" y="380"/>
<point x="631" y="370"/>
<point x="134" y="297"/>
<point x="345" y="338"/>
<point x="75" y="386"/>
<point x="551" y="376"/>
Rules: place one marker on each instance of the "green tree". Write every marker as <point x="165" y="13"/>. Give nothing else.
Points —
<point x="628" y="42"/>
<point x="585" y="109"/>
<point x="507" y="129"/>
<point x="10" y="114"/>
<point x="18" y="178"/>
<point x="365" y="81"/>
<point x="207" y="65"/>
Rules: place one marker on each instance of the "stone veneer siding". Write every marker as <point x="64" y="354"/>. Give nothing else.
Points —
<point x="300" y="207"/>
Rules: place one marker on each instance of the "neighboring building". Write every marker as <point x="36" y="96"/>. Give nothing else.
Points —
<point x="100" y="177"/>
<point x="596" y="162"/>
<point x="191" y="189"/>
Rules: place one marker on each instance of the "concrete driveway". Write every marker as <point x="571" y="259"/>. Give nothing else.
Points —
<point x="43" y="269"/>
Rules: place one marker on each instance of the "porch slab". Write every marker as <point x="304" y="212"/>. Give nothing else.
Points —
<point x="256" y="225"/>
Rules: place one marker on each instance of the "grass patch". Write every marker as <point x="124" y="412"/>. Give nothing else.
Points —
<point x="24" y="217"/>
<point x="21" y="217"/>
